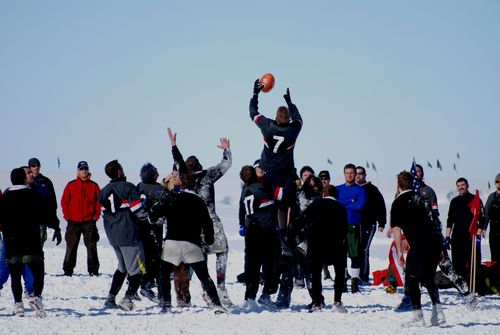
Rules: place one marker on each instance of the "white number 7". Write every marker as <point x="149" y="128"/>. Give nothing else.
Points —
<point x="279" y="140"/>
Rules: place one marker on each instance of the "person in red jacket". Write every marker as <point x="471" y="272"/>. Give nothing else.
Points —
<point x="81" y="209"/>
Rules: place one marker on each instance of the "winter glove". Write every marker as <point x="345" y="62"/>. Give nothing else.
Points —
<point x="446" y="243"/>
<point x="57" y="236"/>
<point x="285" y="248"/>
<point x="287" y="97"/>
<point x="242" y="230"/>
<point x="478" y="241"/>
<point x="257" y="87"/>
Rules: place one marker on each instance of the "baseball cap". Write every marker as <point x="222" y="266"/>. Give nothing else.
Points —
<point x="82" y="165"/>
<point x="324" y="174"/>
<point x="33" y="161"/>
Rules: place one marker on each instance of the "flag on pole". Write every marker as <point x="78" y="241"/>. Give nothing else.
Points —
<point x="438" y="164"/>
<point x="374" y="167"/>
<point x="429" y="164"/>
<point x="329" y="161"/>
<point x="58" y="163"/>
<point x="475" y="207"/>
<point x="416" y="183"/>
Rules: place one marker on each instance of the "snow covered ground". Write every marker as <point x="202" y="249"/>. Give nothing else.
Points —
<point x="74" y="305"/>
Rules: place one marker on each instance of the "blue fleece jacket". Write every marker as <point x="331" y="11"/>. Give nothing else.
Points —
<point x="353" y="197"/>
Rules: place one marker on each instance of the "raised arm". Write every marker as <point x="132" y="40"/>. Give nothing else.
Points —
<point x="294" y="111"/>
<point x="215" y="172"/>
<point x="254" y="102"/>
<point x="176" y="154"/>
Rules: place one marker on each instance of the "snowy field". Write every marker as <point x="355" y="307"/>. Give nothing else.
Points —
<point x="74" y="305"/>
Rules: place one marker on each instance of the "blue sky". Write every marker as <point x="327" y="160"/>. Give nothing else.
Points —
<point x="382" y="81"/>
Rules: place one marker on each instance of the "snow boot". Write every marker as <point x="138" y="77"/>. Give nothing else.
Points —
<point x="284" y="299"/>
<point x="111" y="301"/>
<point x="36" y="304"/>
<point x="417" y="320"/>
<point x="339" y="307"/>
<point x="437" y="318"/>
<point x="315" y="308"/>
<point x="165" y="306"/>
<point x="18" y="309"/>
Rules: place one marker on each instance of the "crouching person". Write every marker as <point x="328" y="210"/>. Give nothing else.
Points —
<point x="21" y="211"/>
<point x="122" y="210"/>
<point x="187" y="220"/>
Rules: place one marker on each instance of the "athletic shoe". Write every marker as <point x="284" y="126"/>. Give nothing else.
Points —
<point x="437" y="318"/>
<point x="207" y="299"/>
<point x="111" y="301"/>
<point x="471" y="301"/>
<point x="250" y="305"/>
<point x="126" y="303"/>
<point x="219" y="310"/>
<point x="315" y="308"/>
<point x="283" y="300"/>
<point x="136" y="297"/>
<point x="166" y="307"/>
<point x="339" y="307"/>
<point x="18" y="309"/>
<point x="183" y="304"/>
<point x="224" y="298"/>
<point x="265" y="300"/>
<point x="404" y="306"/>
<point x="416" y="321"/>
<point x="36" y="304"/>
<point x="149" y="294"/>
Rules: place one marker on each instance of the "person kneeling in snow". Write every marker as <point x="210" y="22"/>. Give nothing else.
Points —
<point x="187" y="220"/>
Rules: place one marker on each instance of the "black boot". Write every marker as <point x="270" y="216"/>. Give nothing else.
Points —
<point x="354" y="285"/>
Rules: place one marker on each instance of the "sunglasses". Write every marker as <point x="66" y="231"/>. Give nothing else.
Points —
<point x="497" y="181"/>
<point x="83" y="169"/>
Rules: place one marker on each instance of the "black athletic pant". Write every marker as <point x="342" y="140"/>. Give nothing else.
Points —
<point x="365" y="239"/>
<point x="201" y="271"/>
<point x="151" y="241"/>
<point x="16" y="271"/>
<point x="414" y="290"/>
<point x="262" y="249"/>
<point x="90" y="237"/>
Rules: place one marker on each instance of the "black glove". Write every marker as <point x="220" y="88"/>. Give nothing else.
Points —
<point x="287" y="97"/>
<point x="57" y="236"/>
<point x="257" y="87"/>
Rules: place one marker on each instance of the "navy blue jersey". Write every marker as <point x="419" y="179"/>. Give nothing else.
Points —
<point x="279" y="140"/>
<point x="257" y="206"/>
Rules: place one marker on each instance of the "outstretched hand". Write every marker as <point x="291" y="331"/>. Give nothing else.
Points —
<point x="224" y="143"/>
<point x="172" y="136"/>
<point x="257" y="87"/>
<point x="287" y="97"/>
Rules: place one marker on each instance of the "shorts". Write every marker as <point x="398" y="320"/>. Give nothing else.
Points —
<point x="131" y="259"/>
<point x="352" y="240"/>
<point x="177" y="252"/>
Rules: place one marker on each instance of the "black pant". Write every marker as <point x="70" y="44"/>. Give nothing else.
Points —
<point x="16" y="270"/>
<point x="414" y="290"/>
<point x="90" y="238"/>
<point x="262" y="248"/>
<point x="151" y="241"/>
<point x="201" y="270"/>
<point x="315" y="261"/>
<point x="495" y="246"/>
<point x="365" y="240"/>
<point x="461" y="251"/>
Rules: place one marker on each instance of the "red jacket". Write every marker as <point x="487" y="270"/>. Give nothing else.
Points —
<point x="80" y="201"/>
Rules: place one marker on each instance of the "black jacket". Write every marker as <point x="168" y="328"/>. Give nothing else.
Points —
<point x="187" y="217"/>
<point x="374" y="210"/>
<point x="21" y="211"/>
<point x="325" y="223"/>
<point x="460" y="216"/>
<point x="257" y="207"/>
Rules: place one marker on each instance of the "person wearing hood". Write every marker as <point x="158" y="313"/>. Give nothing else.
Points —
<point x="81" y="209"/>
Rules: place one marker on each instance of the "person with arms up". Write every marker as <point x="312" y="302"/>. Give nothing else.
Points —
<point x="81" y="209"/>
